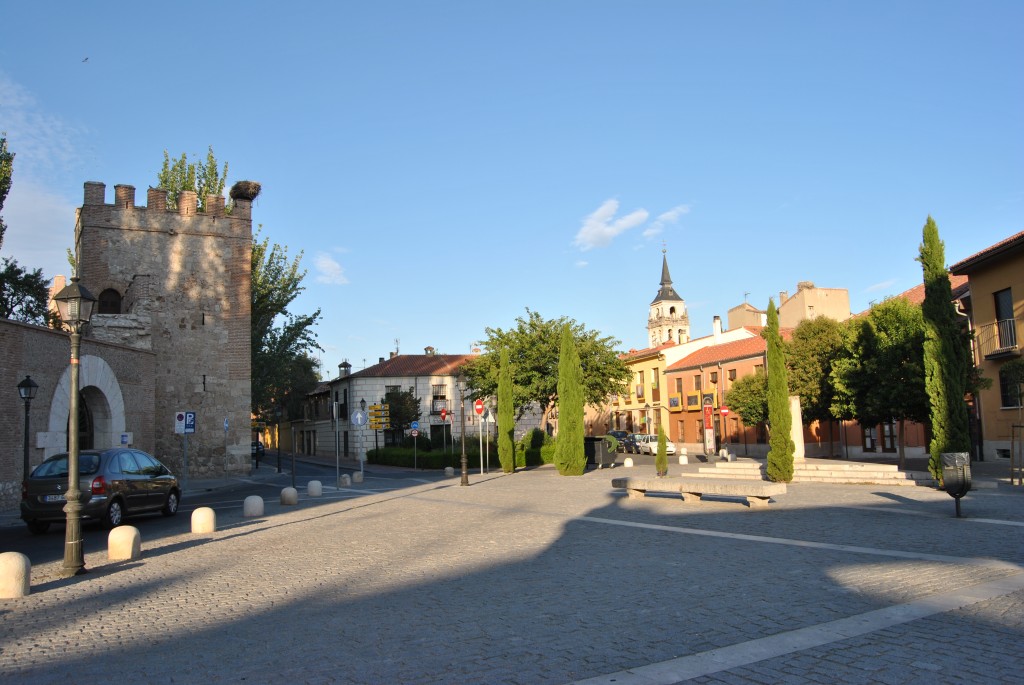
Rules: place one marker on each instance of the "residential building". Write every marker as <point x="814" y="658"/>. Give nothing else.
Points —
<point x="810" y="302"/>
<point x="994" y="299"/>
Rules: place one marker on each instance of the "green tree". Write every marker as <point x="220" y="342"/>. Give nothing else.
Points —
<point x="947" y="356"/>
<point x="780" y="420"/>
<point x="6" y="174"/>
<point x="303" y="377"/>
<point x="506" y="415"/>
<point x="533" y="347"/>
<point x="748" y="397"/>
<point x="403" y="409"/>
<point x="278" y="337"/>
<point x="202" y="177"/>
<point x="570" y="458"/>
<point x="661" y="457"/>
<point x="24" y="293"/>
<point x="815" y="345"/>
<point x="879" y="375"/>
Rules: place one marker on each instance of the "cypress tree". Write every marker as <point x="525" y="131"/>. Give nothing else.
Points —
<point x="946" y="355"/>
<point x="661" y="460"/>
<point x="570" y="458"/>
<point x="506" y="413"/>
<point x="780" y="420"/>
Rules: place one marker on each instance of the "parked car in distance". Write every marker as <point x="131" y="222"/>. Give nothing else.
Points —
<point x="257" y="449"/>
<point x="620" y="436"/>
<point x="630" y="445"/>
<point x="114" y="483"/>
<point x="650" y="445"/>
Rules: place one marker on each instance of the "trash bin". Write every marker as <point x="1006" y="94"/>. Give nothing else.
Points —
<point x="596" y="450"/>
<point x="956" y="475"/>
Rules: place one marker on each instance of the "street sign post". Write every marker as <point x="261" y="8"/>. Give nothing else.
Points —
<point x="709" y="426"/>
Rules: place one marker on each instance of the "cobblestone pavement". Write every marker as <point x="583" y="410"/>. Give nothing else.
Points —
<point x="535" y="578"/>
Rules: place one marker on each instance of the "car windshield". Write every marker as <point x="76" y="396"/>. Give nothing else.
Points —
<point x="88" y="464"/>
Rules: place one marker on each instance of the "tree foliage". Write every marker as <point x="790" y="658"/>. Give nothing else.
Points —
<point x="278" y="337"/>
<point x="403" y="409"/>
<point x="780" y="420"/>
<point x="661" y="456"/>
<point x="201" y="177"/>
<point x="947" y="361"/>
<point x="570" y="459"/>
<point x="810" y="353"/>
<point x="533" y="347"/>
<point x="506" y="415"/>
<point x="748" y="398"/>
<point x="24" y="293"/>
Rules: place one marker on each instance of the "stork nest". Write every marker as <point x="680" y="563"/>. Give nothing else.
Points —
<point x="245" y="190"/>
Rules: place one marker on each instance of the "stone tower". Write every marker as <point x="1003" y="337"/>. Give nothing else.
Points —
<point x="668" y="320"/>
<point x="177" y="282"/>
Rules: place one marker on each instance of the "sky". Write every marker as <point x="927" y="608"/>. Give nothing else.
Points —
<point x="444" y="166"/>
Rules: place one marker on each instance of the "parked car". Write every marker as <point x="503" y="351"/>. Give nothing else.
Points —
<point x="650" y="445"/>
<point x="619" y="436"/>
<point x="630" y="445"/>
<point x="257" y="449"/>
<point x="114" y="483"/>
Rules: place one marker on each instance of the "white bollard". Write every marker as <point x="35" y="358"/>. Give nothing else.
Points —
<point x="683" y="459"/>
<point x="628" y="463"/>
<point x="315" y="488"/>
<point x="449" y="471"/>
<point x="345" y="481"/>
<point x="15" y="575"/>
<point x="729" y="456"/>
<point x="682" y="451"/>
<point x="124" y="543"/>
<point x="204" y="519"/>
<point x="252" y="506"/>
<point x="289" y="496"/>
<point x="357" y="477"/>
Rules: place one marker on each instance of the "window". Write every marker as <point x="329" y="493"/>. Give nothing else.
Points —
<point x="109" y="302"/>
<point x="889" y="437"/>
<point x="1004" y="319"/>
<point x="714" y="377"/>
<point x="697" y="383"/>
<point x="870" y="438"/>
<point x="758" y="368"/>
<point x="654" y="379"/>
<point x="1009" y="393"/>
<point x="679" y="386"/>
<point x="732" y="374"/>
<point x="734" y="434"/>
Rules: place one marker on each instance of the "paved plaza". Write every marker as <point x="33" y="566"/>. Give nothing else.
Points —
<point x="536" y="578"/>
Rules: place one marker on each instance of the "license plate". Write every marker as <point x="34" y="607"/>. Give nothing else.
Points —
<point x="54" y="498"/>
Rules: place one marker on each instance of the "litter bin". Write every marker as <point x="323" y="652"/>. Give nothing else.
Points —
<point x="956" y="475"/>
<point x="596" y="450"/>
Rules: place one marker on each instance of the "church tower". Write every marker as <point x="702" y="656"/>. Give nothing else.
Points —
<point x="668" y="320"/>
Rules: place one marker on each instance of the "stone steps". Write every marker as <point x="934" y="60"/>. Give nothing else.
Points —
<point x="821" y="471"/>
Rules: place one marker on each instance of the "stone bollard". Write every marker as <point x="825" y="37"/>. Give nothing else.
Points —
<point x="628" y="463"/>
<point x="729" y="456"/>
<point x="683" y="459"/>
<point x="252" y="506"/>
<point x="289" y="496"/>
<point x="15" y="575"/>
<point x="682" y="451"/>
<point x="204" y="520"/>
<point x="449" y="471"/>
<point x="357" y="477"/>
<point x="315" y="488"/>
<point x="124" y="543"/>
<point x="345" y="481"/>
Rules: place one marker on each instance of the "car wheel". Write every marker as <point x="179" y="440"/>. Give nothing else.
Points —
<point x="38" y="527"/>
<point x="115" y="514"/>
<point x="171" y="505"/>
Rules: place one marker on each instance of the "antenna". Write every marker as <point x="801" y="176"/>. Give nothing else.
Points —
<point x="396" y="345"/>
<point x="745" y="293"/>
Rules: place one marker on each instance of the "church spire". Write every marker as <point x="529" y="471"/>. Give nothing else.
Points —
<point x="667" y="292"/>
<point x="667" y="320"/>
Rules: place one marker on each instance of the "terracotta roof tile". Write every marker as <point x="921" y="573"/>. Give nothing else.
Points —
<point x="965" y="266"/>
<point x="403" y="365"/>
<point x="730" y="351"/>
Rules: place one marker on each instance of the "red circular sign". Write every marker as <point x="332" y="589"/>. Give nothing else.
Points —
<point x="478" y="406"/>
<point x="725" y="411"/>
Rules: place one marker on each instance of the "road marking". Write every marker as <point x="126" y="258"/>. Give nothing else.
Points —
<point x="753" y="651"/>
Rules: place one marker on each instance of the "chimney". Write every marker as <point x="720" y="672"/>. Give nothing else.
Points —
<point x="716" y="328"/>
<point x="783" y="296"/>
<point x="429" y="351"/>
<point x="344" y="369"/>
<point x="392" y="355"/>
<point x="380" y="360"/>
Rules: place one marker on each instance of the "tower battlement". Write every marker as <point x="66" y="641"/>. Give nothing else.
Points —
<point x="156" y="201"/>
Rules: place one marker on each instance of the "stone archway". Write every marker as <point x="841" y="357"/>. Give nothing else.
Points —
<point x="104" y="402"/>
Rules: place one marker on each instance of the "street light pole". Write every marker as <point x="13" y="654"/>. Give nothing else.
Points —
<point x="27" y="390"/>
<point x="75" y="305"/>
<point x="460" y="381"/>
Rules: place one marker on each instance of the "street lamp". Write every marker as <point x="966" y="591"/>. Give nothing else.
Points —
<point x="74" y="303"/>
<point x="27" y="390"/>
<point x="277" y="428"/>
<point x="460" y="383"/>
<point x="647" y="417"/>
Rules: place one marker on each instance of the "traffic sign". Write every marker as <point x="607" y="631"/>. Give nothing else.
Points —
<point x="724" y="410"/>
<point x="359" y="417"/>
<point x="414" y="432"/>
<point x="444" y="413"/>
<point x="415" y="425"/>
<point x="478" y="406"/>
<point x="190" y="422"/>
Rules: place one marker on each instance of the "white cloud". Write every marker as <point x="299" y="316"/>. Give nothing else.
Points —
<point x="40" y="227"/>
<point x="666" y="219"/>
<point x="884" y="285"/>
<point x="581" y="264"/>
<point x="43" y="144"/>
<point x="601" y="226"/>
<point x="328" y="270"/>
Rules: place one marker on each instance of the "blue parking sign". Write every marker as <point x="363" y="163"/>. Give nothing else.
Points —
<point x="190" y="422"/>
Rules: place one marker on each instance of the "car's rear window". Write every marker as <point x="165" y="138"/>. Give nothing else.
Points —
<point x="53" y="467"/>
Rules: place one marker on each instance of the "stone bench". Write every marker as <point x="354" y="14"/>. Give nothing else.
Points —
<point x="757" y="492"/>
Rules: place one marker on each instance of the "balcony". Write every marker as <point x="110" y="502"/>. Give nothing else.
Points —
<point x="1000" y="339"/>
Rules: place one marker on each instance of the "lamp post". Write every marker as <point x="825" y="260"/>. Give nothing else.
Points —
<point x="74" y="303"/>
<point x="362" y="457"/>
<point x="647" y="417"/>
<point x="27" y="390"/>
<point x="460" y="383"/>
<point x="277" y="417"/>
